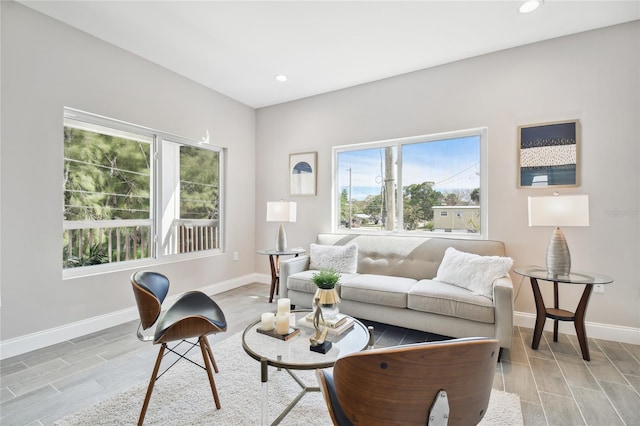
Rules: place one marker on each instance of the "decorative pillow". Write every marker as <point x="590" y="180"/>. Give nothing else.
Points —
<point x="471" y="271"/>
<point x="339" y="258"/>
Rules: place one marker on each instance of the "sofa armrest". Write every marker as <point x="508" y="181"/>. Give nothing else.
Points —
<point x="289" y="267"/>
<point x="503" y="302"/>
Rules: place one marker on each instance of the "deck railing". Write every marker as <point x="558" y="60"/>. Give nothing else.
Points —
<point x="95" y="242"/>
<point x="196" y="235"/>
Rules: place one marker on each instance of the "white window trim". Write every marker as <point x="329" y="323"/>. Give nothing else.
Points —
<point x="482" y="132"/>
<point x="124" y="129"/>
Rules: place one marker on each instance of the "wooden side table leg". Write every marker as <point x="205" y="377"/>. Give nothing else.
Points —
<point x="581" y="332"/>
<point x="278" y="275"/>
<point x="557" y="306"/>
<point x="274" y="277"/>
<point x="541" y="313"/>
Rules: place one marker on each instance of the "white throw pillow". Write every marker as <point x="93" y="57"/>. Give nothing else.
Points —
<point x="342" y="259"/>
<point x="471" y="271"/>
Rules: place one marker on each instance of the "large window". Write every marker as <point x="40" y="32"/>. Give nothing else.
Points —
<point x="132" y="194"/>
<point x="431" y="183"/>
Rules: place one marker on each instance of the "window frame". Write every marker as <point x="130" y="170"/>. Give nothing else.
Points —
<point x="398" y="143"/>
<point x="158" y="137"/>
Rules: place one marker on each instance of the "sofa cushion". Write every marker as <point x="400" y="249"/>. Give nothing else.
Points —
<point x="408" y="256"/>
<point x="471" y="271"/>
<point x="343" y="259"/>
<point x="377" y="289"/>
<point x="447" y="299"/>
<point x="301" y="281"/>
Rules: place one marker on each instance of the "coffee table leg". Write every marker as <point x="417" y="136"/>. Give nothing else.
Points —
<point x="304" y="390"/>
<point x="264" y="377"/>
<point x="541" y="313"/>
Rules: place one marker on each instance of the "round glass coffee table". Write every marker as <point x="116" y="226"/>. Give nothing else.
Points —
<point x="294" y="354"/>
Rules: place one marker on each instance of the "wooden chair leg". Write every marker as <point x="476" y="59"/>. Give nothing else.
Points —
<point x="152" y="382"/>
<point x="210" y="352"/>
<point x="207" y="356"/>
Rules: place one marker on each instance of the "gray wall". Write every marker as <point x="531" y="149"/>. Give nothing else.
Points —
<point x="592" y="76"/>
<point x="47" y="65"/>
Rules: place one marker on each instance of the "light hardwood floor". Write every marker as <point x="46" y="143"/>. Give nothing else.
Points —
<point x="555" y="385"/>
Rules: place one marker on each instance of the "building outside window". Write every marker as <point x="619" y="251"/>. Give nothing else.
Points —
<point x="134" y="194"/>
<point x="407" y="185"/>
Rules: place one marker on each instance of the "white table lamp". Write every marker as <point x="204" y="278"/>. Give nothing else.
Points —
<point x="281" y="211"/>
<point x="557" y="211"/>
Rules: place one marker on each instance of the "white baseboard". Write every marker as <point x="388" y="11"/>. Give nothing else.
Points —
<point x="41" y="339"/>
<point x="595" y="330"/>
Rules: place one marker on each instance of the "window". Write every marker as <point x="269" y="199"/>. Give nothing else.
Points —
<point x="407" y="185"/>
<point x="118" y="199"/>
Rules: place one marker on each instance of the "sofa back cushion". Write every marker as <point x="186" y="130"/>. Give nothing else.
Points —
<point x="416" y="257"/>
<point x="342" y="259"/>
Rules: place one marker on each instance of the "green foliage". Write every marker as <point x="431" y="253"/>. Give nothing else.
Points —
<point x="199" y="174"/>
<point x="419" y="198"/>
<point x="325" y="278"/>
<point x="95" y="256"/>
<point x="475" y="195"/>
<point x="105" y="177"/>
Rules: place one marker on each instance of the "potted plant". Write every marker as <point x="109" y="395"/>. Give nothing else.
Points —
<point x="326" y="295"/>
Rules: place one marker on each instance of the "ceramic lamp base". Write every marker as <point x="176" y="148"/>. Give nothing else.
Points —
<point x="281" y="239"/>
<point x="558" y="257"/>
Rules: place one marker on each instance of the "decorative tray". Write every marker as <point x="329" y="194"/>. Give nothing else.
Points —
<point x="292" y="332"/>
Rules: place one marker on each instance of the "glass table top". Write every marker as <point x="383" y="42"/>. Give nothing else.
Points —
<point x="295" y="353"/>
<point x="574" y="277"/>
<point x="282" y="253"/>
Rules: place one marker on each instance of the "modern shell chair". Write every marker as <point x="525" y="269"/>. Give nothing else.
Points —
<point x="193" y="316"/>
<point x="436" y="383"/>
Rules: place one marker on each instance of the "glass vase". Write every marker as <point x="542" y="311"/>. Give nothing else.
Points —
<point x="328" y="300"/>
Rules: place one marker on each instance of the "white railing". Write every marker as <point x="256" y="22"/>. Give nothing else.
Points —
<point x="104" y="241"/>
<point x="196" y="235"/>
<point x="107" y="241"/>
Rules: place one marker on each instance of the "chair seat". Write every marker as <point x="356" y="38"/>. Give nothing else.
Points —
<point x="193" y="315"/>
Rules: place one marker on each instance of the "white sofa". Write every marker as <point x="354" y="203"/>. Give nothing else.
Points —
<point x="394" y="284"/>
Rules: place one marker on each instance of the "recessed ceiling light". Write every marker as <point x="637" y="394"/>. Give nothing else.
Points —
<point x="281" y="78"/>
<point x="530" y="6"/>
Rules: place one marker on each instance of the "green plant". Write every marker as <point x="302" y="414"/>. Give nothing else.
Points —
<point x="95" y="256"/>
<point x="326" y="278"/>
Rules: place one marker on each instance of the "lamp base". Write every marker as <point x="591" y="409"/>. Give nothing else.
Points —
<point x="558" y="257"/>
<point x="281" y="239"/>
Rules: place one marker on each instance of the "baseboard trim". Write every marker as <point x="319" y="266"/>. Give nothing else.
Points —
<point x="52" y="336"/>
<point x="595" y="330"/>
<point x="41" y="339"/>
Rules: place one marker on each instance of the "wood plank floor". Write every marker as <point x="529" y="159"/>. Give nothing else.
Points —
<point x="555" y="385"/>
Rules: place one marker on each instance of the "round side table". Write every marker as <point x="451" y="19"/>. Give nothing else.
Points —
<point x="274" y="262"/>
<point x="587" y="279"/>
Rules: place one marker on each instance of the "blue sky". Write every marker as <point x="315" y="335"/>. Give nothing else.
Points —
<point x="452" y="164"/>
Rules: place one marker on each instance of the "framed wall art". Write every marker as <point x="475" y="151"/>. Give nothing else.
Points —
<point x="548" y="154"/>
<point x="302" y="173"/>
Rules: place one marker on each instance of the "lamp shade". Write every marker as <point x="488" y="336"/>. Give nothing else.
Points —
<point x="556" y="210"/>
<point x="281" y="211"/>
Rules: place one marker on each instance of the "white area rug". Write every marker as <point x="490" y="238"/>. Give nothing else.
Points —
<point x="183" y="397"/>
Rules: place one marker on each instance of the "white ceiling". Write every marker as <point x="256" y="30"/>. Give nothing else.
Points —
<point x="238" y="47"/>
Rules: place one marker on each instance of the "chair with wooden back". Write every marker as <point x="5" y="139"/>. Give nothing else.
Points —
<point x="193" y="316"/>
<point x="435" y="383"/>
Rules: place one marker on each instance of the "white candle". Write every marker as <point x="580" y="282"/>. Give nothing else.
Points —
<point x="266" y="322"/>
<point x="284" y="306"/>
<point x="282" y="323"/>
